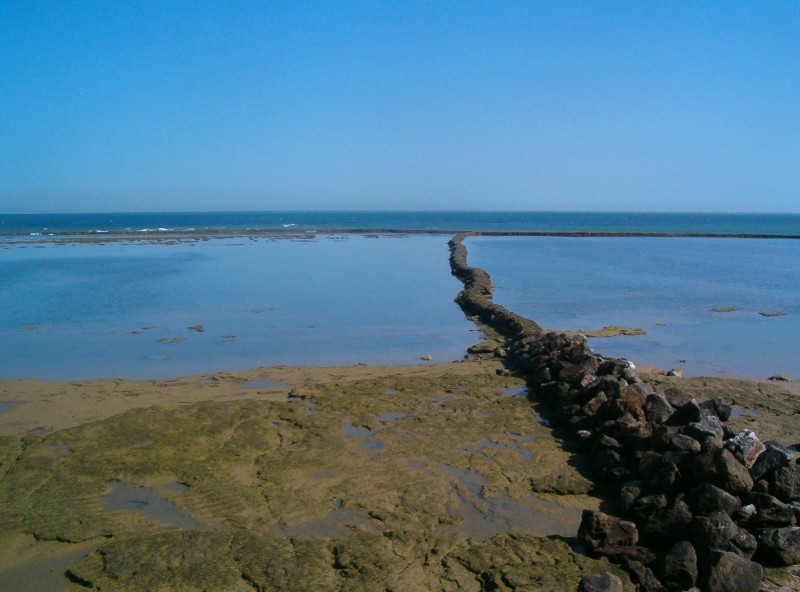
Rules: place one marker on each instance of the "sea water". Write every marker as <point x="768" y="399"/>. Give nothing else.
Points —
<point x="667" y="286"/>
<point x="144" y="309"/>
<point x="125" y="308"/>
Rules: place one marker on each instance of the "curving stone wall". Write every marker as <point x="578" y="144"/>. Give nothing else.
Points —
<point x="701" y="505"/>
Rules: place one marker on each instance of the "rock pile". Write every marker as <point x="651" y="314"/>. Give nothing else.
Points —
<point x="701" y="505"/>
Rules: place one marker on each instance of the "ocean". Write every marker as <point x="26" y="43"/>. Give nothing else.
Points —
<point x="235" y="290"/>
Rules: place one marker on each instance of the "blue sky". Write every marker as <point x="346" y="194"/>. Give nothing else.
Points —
<point x="201" y="105"/>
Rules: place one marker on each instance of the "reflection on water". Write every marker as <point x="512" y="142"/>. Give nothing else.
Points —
<point x="75" y="311"/>
<point x="485" y="515"/>
<point x="668" y="286"/>
<point x="146" y="501"/>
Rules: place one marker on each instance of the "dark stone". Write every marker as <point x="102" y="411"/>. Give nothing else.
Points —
<point x="774" y="457"/>
<point x="720" y="468"/>
<point x="718" y="408"/>
<point x="606" y="441"/>
<point x="645" y="507"/>
<point x="718" y="532"/>
<point x="668" y="525"/>
<point x="629" y="493"/>
<point x="643" y="388"/>
<point x="708" y="428"/>
<point x="628" y="401"/>
<point x="657" y="409"/>
<point x="591" y="408"/>
<point x="600" y="582"/>
<point x="685" y="414"/>
<point x="684" y="443"/>
<point x="779" y="546"/>
<point x="680" y="567"/>
<point x="746" y="447"/>
<point x="785" y="483"/>
<point x="770" y="512"/>
<point x="727" y="572"/>
<point x="643" y="577"/>
<point x="677" y="397"/>
<point x="575" y="372"/>
<point x="605" y="462"/>
<point x="601" y="530"/>
<point x="708" y="498"/>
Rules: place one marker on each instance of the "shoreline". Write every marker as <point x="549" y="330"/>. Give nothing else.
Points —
<point x="194" y="234"/>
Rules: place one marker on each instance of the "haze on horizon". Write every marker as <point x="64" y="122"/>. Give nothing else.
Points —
<point x="210" y="105"/>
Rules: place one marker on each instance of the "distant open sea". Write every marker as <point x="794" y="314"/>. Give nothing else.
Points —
<point x="46" y="224"/>
<point x="243" y="289"/>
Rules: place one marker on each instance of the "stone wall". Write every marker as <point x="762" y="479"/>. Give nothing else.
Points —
<point x="700" y="505"/>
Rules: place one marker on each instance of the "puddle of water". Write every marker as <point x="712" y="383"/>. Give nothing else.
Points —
<point x="42" y="431"/>
<point x="391" y="392"/>
<point x="145" y="500"/>
<point x="524" y="455"/>
<point x="523" y="437"/>
<point x="356" y="431"/>
<point x="738" y="412"/>
<point x="372" y="445"/>
<point x="57" y="450"/>
<point x="175" y="486"/>
<point x="264" y="383"/>
<point x="279" y="426"/>
<point x="205" y="381"/>
<point x="340" y="522"/>
<point x="440" y="398"/>
<point x="417" y="464"/>
<point x="46" y="575"/>
<point x="6" y="405"/>
<point x="520" y="391"/>
<point x="485" y="516"/>
<point x="473" y="481"/>
<point x="391" y="416"/>
<point x="483" y="414"/>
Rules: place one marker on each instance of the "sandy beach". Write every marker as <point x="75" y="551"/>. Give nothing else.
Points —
<point x="424" y="477"/>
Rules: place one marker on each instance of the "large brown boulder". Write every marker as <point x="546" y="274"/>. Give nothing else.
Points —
<point x="601" y="530"/>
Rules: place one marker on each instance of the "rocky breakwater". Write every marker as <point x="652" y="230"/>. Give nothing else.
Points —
<point x="699" y="505"/>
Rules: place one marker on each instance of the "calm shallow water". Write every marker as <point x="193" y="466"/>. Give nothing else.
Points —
<point x="146" y="310"/>
<point x="589" y="283"/>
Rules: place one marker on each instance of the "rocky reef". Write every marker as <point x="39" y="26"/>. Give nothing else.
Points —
<point x="698" y="504"/>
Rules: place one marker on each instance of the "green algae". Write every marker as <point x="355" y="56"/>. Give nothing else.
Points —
<point x="287" y="501"/>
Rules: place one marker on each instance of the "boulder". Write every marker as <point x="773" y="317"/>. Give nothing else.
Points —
<point x="716" y="407"/>
<point x="677" y="397"/>
<point x="600" y="582"/>
<point x="706" y="498"/>
<point x="680" y="567"/>
<point x="727" y="572"/>
<point x="708" y="428"/>
<point x="629" y="493"/>
<point x="667" y="525"/>
<point x="770" y="512"/>
<point x="656" y="408"/>
<point x="746" y="447"/>
<point x="643" y="577"/>
<point x="687" y="413"/>
<point x="773" y="457"/>
<point x="601" y="530"/>
<point x="780" y="546"/>
<point x="785" y="483"/>
<point x="718" y="532"/>
<point x="719" y="467"/>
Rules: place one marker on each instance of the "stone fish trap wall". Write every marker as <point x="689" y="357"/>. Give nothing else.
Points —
<point x="702" y="505"/>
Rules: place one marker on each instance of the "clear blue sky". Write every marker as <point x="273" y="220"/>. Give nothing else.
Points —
<point x="535" y="105"/>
